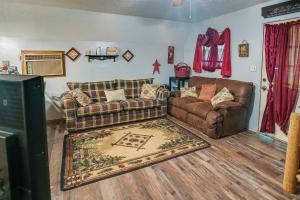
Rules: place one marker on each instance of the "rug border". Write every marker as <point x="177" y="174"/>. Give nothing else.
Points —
<point x="127" y="171"/>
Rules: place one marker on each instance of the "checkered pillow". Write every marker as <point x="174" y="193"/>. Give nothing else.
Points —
<point x="95" y="90"/>
<point x="132" y="88"/>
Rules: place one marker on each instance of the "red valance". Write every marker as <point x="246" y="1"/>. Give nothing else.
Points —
<point x="212" y="39"/>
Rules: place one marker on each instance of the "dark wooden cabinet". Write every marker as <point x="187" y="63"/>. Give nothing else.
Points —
<point x="22" y="113"/>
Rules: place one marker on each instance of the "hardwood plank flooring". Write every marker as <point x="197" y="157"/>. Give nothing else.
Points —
<point x="235" y="168"/>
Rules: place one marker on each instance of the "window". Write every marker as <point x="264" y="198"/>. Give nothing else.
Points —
<point x="43" y="63"/>
<point x="206" y="60"/>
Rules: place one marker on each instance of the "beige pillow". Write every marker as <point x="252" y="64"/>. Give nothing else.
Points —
<point x="207" y="92"/>
<point x="115" y="95"/>
<point x="188" y="92"/>
<point x="81" y="98"/>
<point x="223" y="95"/>
<point x="149" y="91"/>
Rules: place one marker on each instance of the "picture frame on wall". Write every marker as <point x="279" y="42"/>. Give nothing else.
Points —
<point x="128" y="55"/>
<point x="171" y="50"/>
<point x="73" y="54"/>
<point x="244" y="49"/>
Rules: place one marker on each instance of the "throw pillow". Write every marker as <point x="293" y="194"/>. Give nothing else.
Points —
<point x="115" y="95"/>
<point x="188" y="92"/>
<point x="149" y="91"/>
<point x="81" y="98"/>
<point x="207" y="92"/>
<point x="223" y="95"/>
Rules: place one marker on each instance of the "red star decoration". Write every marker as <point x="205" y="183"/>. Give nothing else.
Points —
<point x="156" y="66"/>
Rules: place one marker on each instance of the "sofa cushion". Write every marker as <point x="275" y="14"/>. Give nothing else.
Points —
<point x="81" y="98"/>
<point x="115" y="95"/>
<point x="149" y="91"/>
<point x="99" y="108"/>
<point x="182" y="102"/>
<point x="207" y="92"/>
<point x="136" y="104"/>
<point x="188" y="92"/>
<point x="200" y="109"/>
<point x="95" y="90"/>
<point x="132" y="88"/>
<point x="223" y="95"/>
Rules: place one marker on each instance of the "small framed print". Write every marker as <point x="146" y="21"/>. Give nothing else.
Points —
<point x="73" y="54"/>
<point x="244" y="49"/>
<point x="171" y="50"/>
<point x="128" y="55"/>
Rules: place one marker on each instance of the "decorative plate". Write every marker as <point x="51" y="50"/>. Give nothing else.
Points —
<point x="73" y="54"/>
<point x="128" y="55"/>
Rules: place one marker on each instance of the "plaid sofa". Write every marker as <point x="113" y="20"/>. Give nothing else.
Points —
<point x="102" y="113"/>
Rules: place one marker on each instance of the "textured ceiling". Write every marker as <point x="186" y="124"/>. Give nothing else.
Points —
<point x="162" y="9"/>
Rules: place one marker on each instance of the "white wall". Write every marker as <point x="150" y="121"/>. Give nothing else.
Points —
<point x="28" y="27"/>
<point x="246" y="24"/>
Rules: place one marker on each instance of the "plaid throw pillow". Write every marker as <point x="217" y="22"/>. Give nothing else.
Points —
<point x="132" y="88"/>
<point x="95" y="90"/>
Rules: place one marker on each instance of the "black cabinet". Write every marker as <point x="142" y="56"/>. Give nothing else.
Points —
<point x="22" y="113"/>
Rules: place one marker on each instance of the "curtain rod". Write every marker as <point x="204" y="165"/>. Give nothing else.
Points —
<point x="282" y="20"/>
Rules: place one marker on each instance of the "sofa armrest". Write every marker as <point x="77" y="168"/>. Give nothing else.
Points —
<point x="175" y="93"/>
<point x="162" y="94"/>
<point x="229" y="105"/>
<point x="69" y="104"/>
<point x="67" y="101"/>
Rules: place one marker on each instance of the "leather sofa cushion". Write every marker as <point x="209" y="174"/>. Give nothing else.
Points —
<point x="230" y="105"/>
<point x="182" y="102"/>
<point x="200" y="109"/>
<point x="139" y="103"/>
<point x="99" y="108"/>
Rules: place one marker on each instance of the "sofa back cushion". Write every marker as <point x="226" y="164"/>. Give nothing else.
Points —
<point x="95" y="90"/>
<point x="242" y="91"/>
<point x="132" y="88"/>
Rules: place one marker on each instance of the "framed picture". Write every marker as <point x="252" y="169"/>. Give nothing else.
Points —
<point x="128" y="55"/>
<point x="73" y="54"/>
<point x="171" y="50"/>
<point x="244" y="49"/>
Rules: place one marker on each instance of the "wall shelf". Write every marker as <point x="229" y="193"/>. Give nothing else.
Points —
<point x="102" y="57"/>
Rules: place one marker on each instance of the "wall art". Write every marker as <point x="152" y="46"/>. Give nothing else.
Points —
<point x="128" y="55"/>
<point x="279" y="9"/>
<point x="171" y="50"/>
<point x="73" y="54"/>
<point x="156" y="66"/>
<point x="244" y="49"/>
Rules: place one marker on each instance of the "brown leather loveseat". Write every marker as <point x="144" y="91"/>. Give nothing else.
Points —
<point x="227" y="118"/>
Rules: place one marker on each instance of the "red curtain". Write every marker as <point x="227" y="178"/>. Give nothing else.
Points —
<point x="282" y="42"/>
<point x="287" y="75"/>
<point x="273" y="38"/>
<point x="212" y="39"/>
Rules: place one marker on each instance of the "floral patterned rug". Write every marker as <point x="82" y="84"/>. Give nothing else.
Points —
<point x="98" y="154"/>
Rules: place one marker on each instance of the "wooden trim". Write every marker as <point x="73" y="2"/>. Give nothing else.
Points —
<point x="55" y="121"/>
<point x="24" y="53"/>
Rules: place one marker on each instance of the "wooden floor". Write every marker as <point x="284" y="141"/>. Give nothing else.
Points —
<point x="238" y="167"/>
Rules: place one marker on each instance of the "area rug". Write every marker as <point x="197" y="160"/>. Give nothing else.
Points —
<point x="98" y="154"/>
